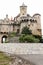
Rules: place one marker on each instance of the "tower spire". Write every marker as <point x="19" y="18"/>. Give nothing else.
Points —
<point x="23" y="4"/>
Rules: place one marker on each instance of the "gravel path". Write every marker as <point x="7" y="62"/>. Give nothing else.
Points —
<point x="35" y="58"/>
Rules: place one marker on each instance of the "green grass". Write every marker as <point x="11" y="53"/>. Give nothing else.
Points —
<point x="4" y="60"/>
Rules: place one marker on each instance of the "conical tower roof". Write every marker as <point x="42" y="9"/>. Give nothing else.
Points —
<point x="23" y="5"/>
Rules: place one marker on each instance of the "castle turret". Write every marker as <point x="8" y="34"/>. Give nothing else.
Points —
<point x="23" y="9"/>
<point x="38" y="19"/>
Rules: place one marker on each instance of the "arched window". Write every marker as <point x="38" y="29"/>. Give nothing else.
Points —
<point x="22" y="20"/>
<point x="27" y="20"/>
<point x="31" y="20"/>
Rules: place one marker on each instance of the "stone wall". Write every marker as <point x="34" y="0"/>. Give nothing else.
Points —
<point x="22" y="48"/>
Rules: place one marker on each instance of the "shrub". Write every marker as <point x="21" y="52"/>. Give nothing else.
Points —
<point x="29" y="38"/>
<point x="41" y="40"/>
<point x="21" y="39"/>
<point x="38" y="37"/>
<point x="26" y="30"/>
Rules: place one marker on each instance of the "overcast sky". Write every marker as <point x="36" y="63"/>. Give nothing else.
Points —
<point x="11" y="7"/>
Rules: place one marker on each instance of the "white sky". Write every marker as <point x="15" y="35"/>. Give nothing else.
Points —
<point x="11" y="7"/>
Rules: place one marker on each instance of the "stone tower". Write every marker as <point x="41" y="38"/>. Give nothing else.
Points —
<point x="38" y="19"/>
<point x="23" y="9"/>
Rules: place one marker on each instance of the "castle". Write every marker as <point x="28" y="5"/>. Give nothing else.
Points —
<point x="21" y="20"/>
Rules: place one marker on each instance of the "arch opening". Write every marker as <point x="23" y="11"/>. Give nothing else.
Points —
<point x="4" y="39"/>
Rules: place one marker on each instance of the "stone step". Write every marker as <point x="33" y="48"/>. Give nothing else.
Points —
<point x="14" y="40"/>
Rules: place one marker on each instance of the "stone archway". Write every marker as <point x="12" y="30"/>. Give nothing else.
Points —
<point x="4" y="38"/>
